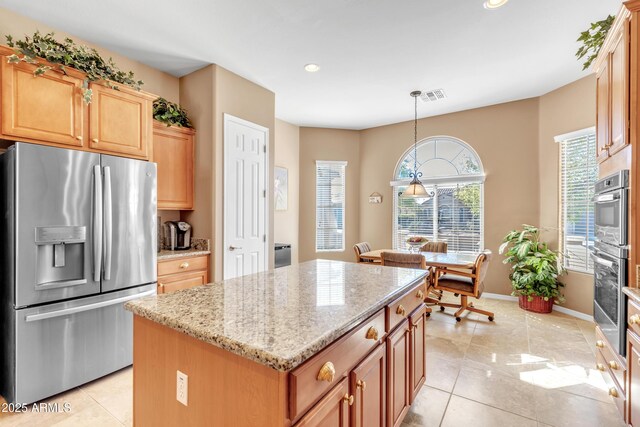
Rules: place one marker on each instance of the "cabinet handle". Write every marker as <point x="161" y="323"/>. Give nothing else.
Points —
<point x="600" y="367"/>
<point x="635" y="319"/>
<point x="372" y="334"/>
<point x="400" y="310"/>
<point x="613" y="365"/>
<point x="327" y="372"/>
<point x="613" y="392"/>
<point x="604" y="148"/>
<point x="184" y="265"/>
<point x="348" y="399"/>
<point x="600" y="344"/>
<point x="420" y="294"/>
<point x="95" y="140"/>
<point x="361" y="385"/>
<point x="79" y="137"/>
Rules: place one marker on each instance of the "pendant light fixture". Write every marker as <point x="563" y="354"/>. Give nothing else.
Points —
<point x="415" y="188"/>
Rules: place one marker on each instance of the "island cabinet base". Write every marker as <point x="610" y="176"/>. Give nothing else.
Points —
<point x="224" y="389"/>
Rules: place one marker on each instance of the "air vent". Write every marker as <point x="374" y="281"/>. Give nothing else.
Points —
<point x="433" y="95"/>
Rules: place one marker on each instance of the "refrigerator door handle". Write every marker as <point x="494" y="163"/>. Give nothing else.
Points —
<point x="97" y="223"/>
<point x="73" y="310"/>
<point x="108" y="223"/>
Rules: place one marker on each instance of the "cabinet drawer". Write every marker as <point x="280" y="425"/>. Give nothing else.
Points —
<point x="182" y="265"/>
<point x="633" y="316"/>
<point x="176" y="282"/>
<point x="612" y="361"/>
<point x="337" y="359"/>
<point x="615" y="390"/>
<point x="401" y="308"/>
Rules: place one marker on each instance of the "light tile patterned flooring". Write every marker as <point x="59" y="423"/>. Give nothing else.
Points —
<point x="523" y="369"/>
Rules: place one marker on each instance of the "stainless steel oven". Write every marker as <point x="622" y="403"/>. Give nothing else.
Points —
<point x="610" y="257"/>
<point x="610" y="209"/>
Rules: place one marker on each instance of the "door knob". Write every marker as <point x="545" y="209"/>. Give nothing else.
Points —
<point x="233" y="248"/>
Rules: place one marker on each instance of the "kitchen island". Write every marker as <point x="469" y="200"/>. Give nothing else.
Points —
<point x="318" y="343"/>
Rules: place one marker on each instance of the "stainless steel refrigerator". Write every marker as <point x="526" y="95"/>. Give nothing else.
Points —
<point x="77" y="240"/>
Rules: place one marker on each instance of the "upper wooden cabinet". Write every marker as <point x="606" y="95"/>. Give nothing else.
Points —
<point x="173" y="152"/>
<point x="120" y="121"/>
<point x="49" y="109"/>
<point x="612" y="92"/>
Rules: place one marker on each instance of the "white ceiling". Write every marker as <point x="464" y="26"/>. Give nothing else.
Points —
<point x="372" y="53"/>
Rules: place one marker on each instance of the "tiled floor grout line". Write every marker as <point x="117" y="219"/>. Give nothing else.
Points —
<point x="101" y="405"/>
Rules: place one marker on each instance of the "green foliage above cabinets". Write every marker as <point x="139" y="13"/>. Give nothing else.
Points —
<point x="68" y="54"/>
<point x="592" y="40"/>
<point x="171" y="114"/>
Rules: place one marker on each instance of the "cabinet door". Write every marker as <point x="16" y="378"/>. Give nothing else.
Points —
<point x="47" y="108"/>
<point x="369" y="386"/>
<point x="619" y="89"/>
<point x="331" y="411"/>
<point x="633" y="366"/>
<point x="177" y="282"/>
<point x="120" y="121"/>
<point x="418" y="347"/>
<point x="398" y="375"/>
<point x="602" y="112"/>
<point x="173" y="152"/>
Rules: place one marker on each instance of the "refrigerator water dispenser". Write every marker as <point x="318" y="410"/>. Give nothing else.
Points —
<point x="60" y="256"/>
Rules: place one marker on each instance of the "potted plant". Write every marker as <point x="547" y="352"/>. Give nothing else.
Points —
<point x="535" y="269"/>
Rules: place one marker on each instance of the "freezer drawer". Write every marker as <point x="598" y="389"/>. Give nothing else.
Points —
<point x="63" y="345"/>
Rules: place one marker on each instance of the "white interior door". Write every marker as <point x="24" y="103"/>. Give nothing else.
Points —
<point x="245" y="197"/>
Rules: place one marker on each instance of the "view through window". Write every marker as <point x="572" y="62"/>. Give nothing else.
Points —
<point x="330" y="190"/>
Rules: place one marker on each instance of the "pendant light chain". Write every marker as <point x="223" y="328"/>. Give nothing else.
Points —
<point x="415" y="136"/>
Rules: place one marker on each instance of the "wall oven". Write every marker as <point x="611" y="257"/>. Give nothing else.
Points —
<point x="610" y="257"/>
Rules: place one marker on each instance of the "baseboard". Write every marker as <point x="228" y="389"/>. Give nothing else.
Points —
<point x="556" y="307"/>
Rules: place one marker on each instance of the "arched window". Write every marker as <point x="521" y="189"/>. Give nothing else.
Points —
<point x="452" y="170"/>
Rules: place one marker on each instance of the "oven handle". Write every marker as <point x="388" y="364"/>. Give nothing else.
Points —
<point x="605" y="198"/>
<point x="601" y="261"/>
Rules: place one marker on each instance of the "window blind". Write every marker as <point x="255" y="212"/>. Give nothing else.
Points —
<point x="579" y="172"/>
<point x="330" y="197"/>
<point x="454" y="215"/>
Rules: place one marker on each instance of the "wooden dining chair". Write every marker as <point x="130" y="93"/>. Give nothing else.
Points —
<point x="360" y="248"/>
<point x="395" y="259"/>
<point x="433" y="295"/>
<point x="467" y="284"/>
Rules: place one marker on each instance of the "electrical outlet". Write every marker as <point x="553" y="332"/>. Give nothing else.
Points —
<point x="182" y="388"/>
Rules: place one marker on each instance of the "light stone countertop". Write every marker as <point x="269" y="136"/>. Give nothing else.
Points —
<point x="166" y="254"/>
<point x="280" y="318"/>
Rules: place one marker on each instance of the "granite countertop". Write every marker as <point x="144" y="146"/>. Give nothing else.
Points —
<point x="280" y="318"/>
<point x="165" y="254"/>
<point x="632" y="293"/>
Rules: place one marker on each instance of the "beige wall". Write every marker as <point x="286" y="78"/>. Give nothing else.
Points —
<point x="155" y="81"/>
<point x="569" y="108"/>
<point x="505" y="137"/>
<point x="208" y="94"/>
<point x="328" y="144"/>
<point x="287" y="155"/>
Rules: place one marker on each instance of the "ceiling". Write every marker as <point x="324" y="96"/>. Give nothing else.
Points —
<point x="371" y="53"/>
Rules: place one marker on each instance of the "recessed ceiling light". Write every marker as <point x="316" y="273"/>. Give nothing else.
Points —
<point x="494" y="4"/>
<point x="312" y="68"/>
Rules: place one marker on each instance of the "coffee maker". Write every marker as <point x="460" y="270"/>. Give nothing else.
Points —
<point x="177" y="235"/>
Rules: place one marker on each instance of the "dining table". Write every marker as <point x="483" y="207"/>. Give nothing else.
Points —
<point x="432" y="259"/>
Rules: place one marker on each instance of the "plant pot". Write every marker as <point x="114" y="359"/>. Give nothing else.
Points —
<point x="537" y="304"/>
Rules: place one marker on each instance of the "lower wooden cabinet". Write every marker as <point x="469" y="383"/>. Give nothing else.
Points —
<point x="633" y="373"/>
<point x="183" y="273"/>
<point x="332" y="410"/>
<point x="398" y="351"/>
<point x="368" y="384"/>
<point x="417" y="365"/>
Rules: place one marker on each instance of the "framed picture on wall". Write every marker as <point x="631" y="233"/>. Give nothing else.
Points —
<point x="281" y="187"/>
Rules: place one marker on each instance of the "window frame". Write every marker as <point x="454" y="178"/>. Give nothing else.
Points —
<point x="478" y="178"/>
<point x="589" y="132"/>
<point x="344" y="203"/>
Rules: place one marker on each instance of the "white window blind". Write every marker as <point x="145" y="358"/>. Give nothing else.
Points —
<point x="330" y="197"/>
<point x="579" y="172"/>
<point x="454" y="216"/>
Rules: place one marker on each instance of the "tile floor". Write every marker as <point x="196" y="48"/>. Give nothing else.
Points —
<point x="521" y="370"/>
